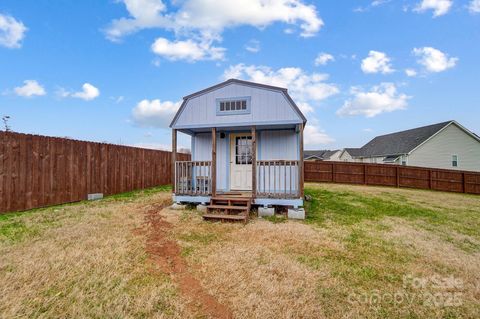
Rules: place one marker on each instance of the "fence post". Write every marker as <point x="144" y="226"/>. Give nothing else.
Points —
<point x="333" y="173"/>
<point x="430" y="179"/>
<point x="364" y="174"/>
<point x="397" y="171"/>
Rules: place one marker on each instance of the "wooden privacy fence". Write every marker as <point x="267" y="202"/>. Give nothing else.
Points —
<point x="393" y="175"/>
<point x="38" y="171"/>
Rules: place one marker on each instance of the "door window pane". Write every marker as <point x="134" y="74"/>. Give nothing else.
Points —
<point x="243" y="150"/>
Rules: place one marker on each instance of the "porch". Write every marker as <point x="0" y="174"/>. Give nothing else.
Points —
<point x="241" y="170"/>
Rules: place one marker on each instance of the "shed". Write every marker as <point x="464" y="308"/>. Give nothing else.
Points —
<point x="247" y="142"/>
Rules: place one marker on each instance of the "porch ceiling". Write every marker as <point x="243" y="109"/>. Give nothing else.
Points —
<point x="282" y="126"/>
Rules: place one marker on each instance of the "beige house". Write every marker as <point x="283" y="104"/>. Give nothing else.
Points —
<point x="446" y="145"/>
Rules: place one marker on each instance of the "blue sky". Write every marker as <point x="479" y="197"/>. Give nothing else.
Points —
<point x="115" y="71"/>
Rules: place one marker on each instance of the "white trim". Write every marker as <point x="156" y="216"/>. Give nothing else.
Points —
<point x="233" y="162"/>
<point x="246" y="125"/>
<point x="451" y="160"/>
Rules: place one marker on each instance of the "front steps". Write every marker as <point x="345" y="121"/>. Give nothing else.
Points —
<point x="228" y="208"/>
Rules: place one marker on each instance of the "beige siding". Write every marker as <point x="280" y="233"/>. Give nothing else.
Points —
<point x="438" y="151"/>
<point x="335" y="156"/>
<point x="345" y="157"/>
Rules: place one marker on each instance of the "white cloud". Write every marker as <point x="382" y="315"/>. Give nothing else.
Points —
<point x="12" y="32"/>
<point x="474" y="6"/>
<point x="439" y="7"/>
<point x="315" y="136"/>
<point x="212" y="17"/>
<point x="377" y="3"/>
<point x="89" y="92"/>
<point x="323" y="58"/>
<point x="202" y="22"/>
<point x="187" y="50"/>
<point x="253" y="46"/>
<point x="154" y="113"/>
<point x="434" y="60"/>
<point x="376" y="62"/>
<point x="304" y="88"/>
<point x="380" y="99"/>
<point x="373" y="4"/>
<point x="30" y="88"/>
<point x="410" y="72"/>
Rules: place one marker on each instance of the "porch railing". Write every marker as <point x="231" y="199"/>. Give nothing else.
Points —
<point x="193" y="178"/>
<point x="278" y="179"/>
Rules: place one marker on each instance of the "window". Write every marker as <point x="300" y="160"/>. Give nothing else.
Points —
<point x="243" y="150"/>
<point x="454" y="160"/>
<point x="233" y="106"/>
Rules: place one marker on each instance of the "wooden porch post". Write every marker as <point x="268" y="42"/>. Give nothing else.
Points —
<point x="214" y="161"/>
<point x="254" y="161"/>
<point x="301" y="166"/>
<point x="174" y="159"/>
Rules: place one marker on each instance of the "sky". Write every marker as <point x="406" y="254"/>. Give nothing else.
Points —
<point x="116" y="70"/>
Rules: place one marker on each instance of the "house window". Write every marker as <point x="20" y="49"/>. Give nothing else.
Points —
<point x="233" y="106"/>
<point x="454" y="160"/>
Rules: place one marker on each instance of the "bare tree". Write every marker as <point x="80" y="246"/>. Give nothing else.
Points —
<point x="5" y="123"/>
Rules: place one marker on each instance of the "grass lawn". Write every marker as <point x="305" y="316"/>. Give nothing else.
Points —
<point x="362" y="252"/>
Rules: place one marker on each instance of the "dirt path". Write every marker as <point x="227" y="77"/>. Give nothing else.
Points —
<point x="166" y="254"/>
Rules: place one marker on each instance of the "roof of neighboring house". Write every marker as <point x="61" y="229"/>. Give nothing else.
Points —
<point x="242" y="82"/>
<point x="391" y="158"/>
<point x="400" y="142"/>
<point x="353" y="151"/>
<point x="318" y="154"/>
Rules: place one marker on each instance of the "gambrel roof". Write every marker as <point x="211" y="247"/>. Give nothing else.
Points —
<point x="281" y="90"/>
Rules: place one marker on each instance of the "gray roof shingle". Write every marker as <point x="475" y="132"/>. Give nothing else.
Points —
<point x="400" y="142"/>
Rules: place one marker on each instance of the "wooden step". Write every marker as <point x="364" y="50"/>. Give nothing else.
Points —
<point x="227" y="207"/>
<point x="235" y="199"/>
<point x="224" y="217"/>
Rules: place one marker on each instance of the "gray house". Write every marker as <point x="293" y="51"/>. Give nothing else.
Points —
<point x="247" y="149"/>
<point x="446" y="145"/>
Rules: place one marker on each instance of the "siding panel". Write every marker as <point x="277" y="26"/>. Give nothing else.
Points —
<point x="439" y="150"/>
<point x="266" y="106"/>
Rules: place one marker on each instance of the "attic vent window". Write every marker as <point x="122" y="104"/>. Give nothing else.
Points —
<point x="233" y="106"/>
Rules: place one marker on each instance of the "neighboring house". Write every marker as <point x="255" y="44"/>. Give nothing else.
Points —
<point x="319" y="155"/>
<point x="349" y="155"/>
<point x="247" y="141"/>
<point x="335" y="156"/>
<point x="446" y="145"/>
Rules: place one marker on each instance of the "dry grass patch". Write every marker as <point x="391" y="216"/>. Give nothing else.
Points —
<point x="87" y="261"/>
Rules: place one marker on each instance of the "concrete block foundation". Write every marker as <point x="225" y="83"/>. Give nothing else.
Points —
<point x="266" y="211"/>
<point x="298" y="213"/>
<point x="177" y="206"/>
<point x="202" y="208"/>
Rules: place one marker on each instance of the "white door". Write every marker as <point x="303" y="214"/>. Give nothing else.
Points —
<point x="241" y="161"/>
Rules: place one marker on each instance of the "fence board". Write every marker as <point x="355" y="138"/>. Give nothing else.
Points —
<point x="37" y="171"/>
<point x="393" y="175"/>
